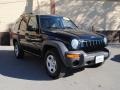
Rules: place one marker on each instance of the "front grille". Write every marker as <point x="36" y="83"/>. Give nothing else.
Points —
<point x="91" y="44"/>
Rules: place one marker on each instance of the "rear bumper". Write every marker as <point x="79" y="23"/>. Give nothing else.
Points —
<point x="85" y="58"/>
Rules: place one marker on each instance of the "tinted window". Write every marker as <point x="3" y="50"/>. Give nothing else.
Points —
<point x="48" y="23"/>
<point x="33" y="23"/>
<point x="23" y="25"/>
<point x="67" y="23"/>
<point x="56" y="23"/>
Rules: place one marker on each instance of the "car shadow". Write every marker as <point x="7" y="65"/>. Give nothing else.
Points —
<point x="116" y="58"/>
<point x="29" y="68"/>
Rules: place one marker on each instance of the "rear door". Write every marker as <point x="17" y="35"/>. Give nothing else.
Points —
<point x="22" y="32"/>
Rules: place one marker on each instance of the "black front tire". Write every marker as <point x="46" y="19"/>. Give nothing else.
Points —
<point x="19" y="53"/>
<point x="58" y="72"/>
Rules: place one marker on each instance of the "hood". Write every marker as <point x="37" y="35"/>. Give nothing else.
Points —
<point x="78" y="34"/>
<point x="66" y="36"/>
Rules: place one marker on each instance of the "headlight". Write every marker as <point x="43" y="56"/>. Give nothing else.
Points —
<point x="105" y="40"/>
<point x="74" y="43"/>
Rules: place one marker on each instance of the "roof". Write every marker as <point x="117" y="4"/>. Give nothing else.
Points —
<point x="49" y="15"/>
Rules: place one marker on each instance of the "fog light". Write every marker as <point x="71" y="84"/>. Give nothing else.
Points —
<point x="73" y="56"/>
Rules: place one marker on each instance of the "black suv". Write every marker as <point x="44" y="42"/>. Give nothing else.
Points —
<point x="59" y="42"/>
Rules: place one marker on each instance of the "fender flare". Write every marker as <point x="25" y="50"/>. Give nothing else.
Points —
<point x="61" y="48"/>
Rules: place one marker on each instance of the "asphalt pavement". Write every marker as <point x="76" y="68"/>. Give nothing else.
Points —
<point x="29" y="74"/>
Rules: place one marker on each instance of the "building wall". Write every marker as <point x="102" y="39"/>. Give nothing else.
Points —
<point x="10" y="10"/>
<point x="102" y="14"/>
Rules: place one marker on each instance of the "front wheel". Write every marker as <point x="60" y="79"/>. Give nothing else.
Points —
<point x="53" y="64"/>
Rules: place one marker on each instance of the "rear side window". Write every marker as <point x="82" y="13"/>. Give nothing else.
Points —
<point x="23" y="25"/>
<point x="16" y="25"/>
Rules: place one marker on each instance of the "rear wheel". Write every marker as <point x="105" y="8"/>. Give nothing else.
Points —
<point x="19" y="53"/>
<point x="53" y="64"/>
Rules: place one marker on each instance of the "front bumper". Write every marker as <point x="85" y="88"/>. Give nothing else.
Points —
<point x="85" y="58"/>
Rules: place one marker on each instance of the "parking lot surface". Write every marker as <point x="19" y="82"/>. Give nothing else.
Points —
<point x="29" y="74"/>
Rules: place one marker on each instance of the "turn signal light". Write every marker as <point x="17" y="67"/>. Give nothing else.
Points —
<point x="73" y="56"/>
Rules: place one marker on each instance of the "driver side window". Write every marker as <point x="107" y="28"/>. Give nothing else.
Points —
<point x="32" y="25"/>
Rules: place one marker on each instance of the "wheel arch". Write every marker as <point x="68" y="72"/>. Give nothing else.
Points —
<point x="57" y="45"/>
<point x="48" y="47"/>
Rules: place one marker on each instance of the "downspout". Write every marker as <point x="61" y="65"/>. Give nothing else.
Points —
<point x="52" y="6"/>
<point x="29" y="6"/>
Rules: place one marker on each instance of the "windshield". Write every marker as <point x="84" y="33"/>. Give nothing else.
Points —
<point x="56" y="23"/>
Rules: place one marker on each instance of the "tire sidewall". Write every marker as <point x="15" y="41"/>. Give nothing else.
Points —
<point x="20" y="51"/>
<point x="58" y="63"/>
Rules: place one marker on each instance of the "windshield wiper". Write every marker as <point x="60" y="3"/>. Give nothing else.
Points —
<point x="67" y="28"/>
<point x="53" y="27"/>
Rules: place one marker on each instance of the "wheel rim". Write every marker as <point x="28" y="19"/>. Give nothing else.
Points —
<point x="16" y="50"/>
<point x="51" y="64"/>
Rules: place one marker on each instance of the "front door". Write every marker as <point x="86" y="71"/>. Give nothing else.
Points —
<point x="33" y="36"/>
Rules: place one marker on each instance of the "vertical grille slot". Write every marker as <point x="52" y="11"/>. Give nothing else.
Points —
<point x="92" y="44"/>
